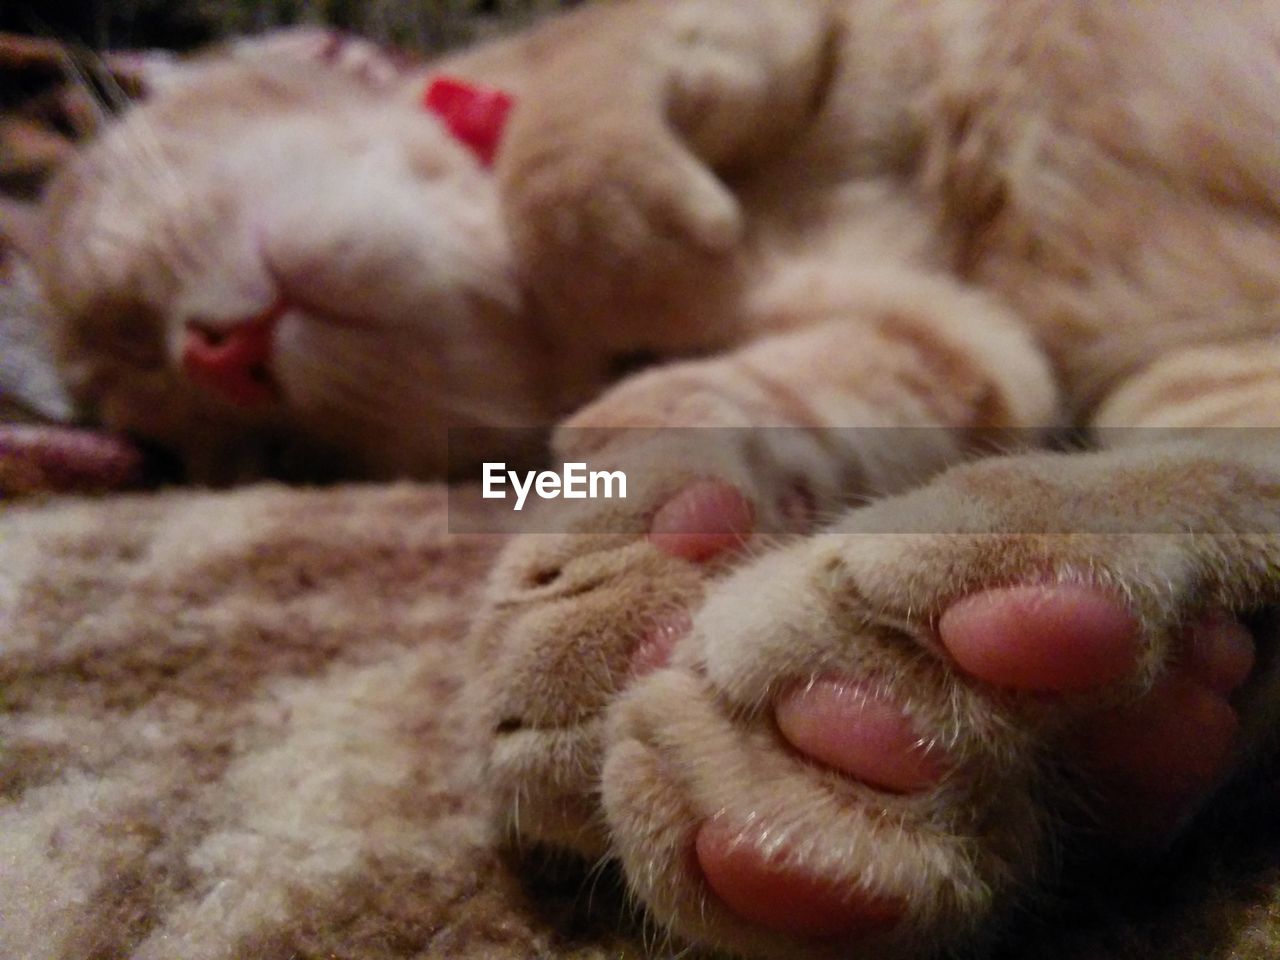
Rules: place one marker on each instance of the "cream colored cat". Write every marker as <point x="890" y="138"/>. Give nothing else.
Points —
<point x="888" y="227"/>
<point x="282" y="260"/>
<point x="967" y="215"/>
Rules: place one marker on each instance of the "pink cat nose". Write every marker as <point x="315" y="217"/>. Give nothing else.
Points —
<point x="233" y="359"/>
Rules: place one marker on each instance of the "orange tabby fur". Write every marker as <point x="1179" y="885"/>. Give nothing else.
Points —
<point x="961" y="215"/>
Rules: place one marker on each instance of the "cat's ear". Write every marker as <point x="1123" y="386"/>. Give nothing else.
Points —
<point x="143" y="73"/>
<point x="146" y="73"/>
<point x="372" y="65"/>
<point x="21" y="227"/>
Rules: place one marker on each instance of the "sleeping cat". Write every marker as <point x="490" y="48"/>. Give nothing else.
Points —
<point x="861" y="734"/>
<point x="281" y="261"/>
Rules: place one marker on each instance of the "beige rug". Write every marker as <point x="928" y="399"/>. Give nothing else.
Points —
<point x="236" y="726"/>
<point x="233" y="728"/>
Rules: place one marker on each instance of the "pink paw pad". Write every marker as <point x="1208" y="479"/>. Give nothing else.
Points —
<point x="849" y="727"/>
<point x="1159" y="758"/>
<point x="1074" y="638"/>
<point x="767" y="890"/>
<point x="1222" y="653"/>
<point x="704" y="520"/>
<point x="1052" y="638"/>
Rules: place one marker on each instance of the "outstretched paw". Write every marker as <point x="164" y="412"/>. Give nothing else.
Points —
<point x="573" y="618"/>
<point x="632" y="227"/>
<point x="880" y="738"/>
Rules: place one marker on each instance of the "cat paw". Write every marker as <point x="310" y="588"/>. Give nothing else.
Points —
<point x="629" y="226"/>
<point x="1144" y="780"/>
<point x="876" y="738"/>
<point x="573" y="616"/>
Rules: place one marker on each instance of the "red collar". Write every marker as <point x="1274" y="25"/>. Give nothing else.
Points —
<point x="475" y="115"/>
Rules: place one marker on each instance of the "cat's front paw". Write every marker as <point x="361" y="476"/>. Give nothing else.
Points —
<point x="574" y="614"/>
<point x="626" y="227"/>
<point x="875" y="738"/>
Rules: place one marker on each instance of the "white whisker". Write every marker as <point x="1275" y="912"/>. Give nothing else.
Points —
<point x="76" y="74"/>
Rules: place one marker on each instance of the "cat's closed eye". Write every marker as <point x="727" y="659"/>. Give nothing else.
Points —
<point x="128" y="331"/>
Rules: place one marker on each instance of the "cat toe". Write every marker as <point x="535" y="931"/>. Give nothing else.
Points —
<point x="705" y="519"/>
<point x="774" y="891"/>
<point x="1059" y="638"/>
<point x="1074" y="638"/>
<point x="1222" y="652"/>
<point x="1156" y="761"/>
<point x="861" y="732"/>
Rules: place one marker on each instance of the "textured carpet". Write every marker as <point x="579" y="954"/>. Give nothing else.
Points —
<point x="234" y="726"/>
<point x="238" y="726"/>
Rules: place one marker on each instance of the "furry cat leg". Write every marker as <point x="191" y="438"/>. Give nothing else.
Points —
<point x="624" y="216"/>
<point x="698" y="742"/>
<point x="568" y="610"/>
<point x="1173" y="525"/>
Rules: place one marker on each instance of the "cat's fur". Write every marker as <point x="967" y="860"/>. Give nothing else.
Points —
<point x="965" y="215"/>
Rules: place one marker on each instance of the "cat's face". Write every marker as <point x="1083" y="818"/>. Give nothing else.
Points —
<point x="268" y="253"/>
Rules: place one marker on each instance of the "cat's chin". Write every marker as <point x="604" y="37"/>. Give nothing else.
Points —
<point x="547" y="784"/>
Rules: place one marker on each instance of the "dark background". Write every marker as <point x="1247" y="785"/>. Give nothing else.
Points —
<point x="182" y="24"/>
<point x="42" y="40"/>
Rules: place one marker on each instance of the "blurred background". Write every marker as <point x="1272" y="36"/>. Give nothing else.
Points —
<point x="44" y="113"/>
<point x="42" y="42"/>
<point x="181" y="24"/>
